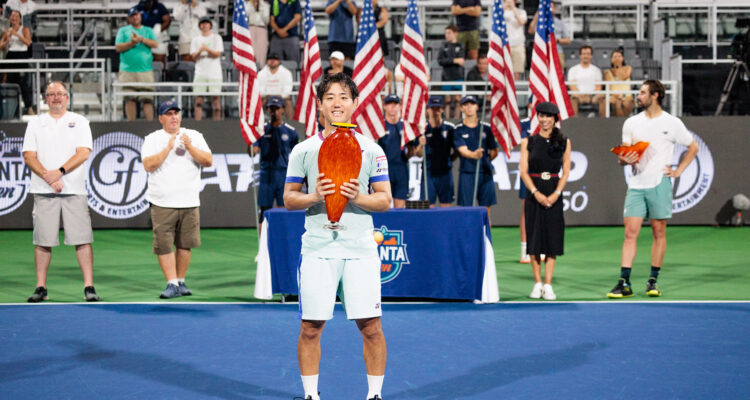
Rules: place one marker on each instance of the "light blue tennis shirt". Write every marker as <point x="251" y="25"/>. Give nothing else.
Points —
<point x="356" y="240"/>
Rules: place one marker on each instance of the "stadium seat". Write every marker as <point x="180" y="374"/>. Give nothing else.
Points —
<point x="10" y="96"/>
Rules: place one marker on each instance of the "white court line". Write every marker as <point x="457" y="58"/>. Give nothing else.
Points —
<point x="105" y="303"/>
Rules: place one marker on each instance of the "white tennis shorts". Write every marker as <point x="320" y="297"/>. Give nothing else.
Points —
<point x="357" y="282"/>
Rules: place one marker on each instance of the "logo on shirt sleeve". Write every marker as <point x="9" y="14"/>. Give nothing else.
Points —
<point x="381" y="165"/>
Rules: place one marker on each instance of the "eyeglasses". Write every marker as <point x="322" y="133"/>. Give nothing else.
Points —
<point x="57" y="94"/>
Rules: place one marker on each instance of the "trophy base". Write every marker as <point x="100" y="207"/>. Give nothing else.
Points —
<point x="334" y="226"/>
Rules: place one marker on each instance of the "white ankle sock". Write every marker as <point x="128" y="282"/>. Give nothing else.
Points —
<point x="523" y="249"/>
<point x="310" y="384"/>
<point x="375" y="385"/>
<point x="175" y="282"/>
<point x="181" y="280"/>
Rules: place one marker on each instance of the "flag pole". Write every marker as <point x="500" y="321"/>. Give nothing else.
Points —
<point x="424" y="169"/>
<point x="255" y="194"/>
<point x="481" y="140"/>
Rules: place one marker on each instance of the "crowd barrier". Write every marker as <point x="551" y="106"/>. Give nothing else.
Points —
<point x="116" y="180"/>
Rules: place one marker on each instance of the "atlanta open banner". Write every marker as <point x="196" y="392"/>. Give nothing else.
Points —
<point x="116" y="181"/>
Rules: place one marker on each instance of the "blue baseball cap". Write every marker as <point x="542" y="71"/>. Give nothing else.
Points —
<point x="168" y="105"/>
<point x="469" y="98"/>
<point x="392" y="98"/>
<point x="275" y="101"/>
<point x="133" y="10"/>
<point x="435" y="101"/>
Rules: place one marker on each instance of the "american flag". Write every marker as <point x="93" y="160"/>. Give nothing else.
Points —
<point x="504" y="120"/>
<point x="307" y="107"/>
<point x="546" y="78"/>
<point x="415" y="77"/>
<point x="369" y="75"/>
<point x="251" y="105"/>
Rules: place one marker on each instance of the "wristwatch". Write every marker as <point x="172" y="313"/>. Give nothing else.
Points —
<point x="62" y="170"/>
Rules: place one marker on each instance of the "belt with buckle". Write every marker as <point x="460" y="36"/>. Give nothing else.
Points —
<point x="544" y="175"/>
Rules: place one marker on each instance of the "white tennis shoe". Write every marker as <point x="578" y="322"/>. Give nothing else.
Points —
<point x="548" y="293"/>
<point x="536" y="292"/>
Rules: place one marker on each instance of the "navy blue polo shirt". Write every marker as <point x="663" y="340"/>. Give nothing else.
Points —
<point x="153" y="16"/>
<point x="469" y="137"/>
<point x="286" y="14"/>
<point x="391" y="144"/>
<point x="275" y="145"/>
<point x="438" y="149"/>
<point x="467" y="22"/>
<point x="341" y="28"/>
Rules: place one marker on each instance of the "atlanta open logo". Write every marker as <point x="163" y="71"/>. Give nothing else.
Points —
<point x="694" y="182"/>
<point x="15" y="176"/>
<point x="392" y="252"/>
<point x="116" y="182"/>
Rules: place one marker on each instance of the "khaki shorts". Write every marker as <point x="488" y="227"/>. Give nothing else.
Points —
<point x="470" y="39"/>
<point x="75" y="216"/>
<point x="183" y="48"/>
<point x="137" y="77"/>
<point x="518" y="58"/>
<point x="180" y="227"/>
<point x="201" y="84"/>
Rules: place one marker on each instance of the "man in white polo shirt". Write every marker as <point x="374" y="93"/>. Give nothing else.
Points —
<point x="173" y="157"/>
<point x="56" y="144"/>
<point x="650" y="188"/>
<point x="582" y="77"/>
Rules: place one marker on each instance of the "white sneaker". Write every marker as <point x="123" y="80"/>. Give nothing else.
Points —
<point x="525" y="259"/>
<point x="548" y="293"/>
<point x="536" y="292"/>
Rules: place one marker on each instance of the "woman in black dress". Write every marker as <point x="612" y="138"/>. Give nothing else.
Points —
<point x="542" y="157"/>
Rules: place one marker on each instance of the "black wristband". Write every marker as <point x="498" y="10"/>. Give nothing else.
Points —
<point x="61" y="169"/>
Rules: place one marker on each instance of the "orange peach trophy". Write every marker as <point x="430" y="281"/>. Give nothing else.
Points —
<point x="339" y="159"/>
<point x="638" y="148"/>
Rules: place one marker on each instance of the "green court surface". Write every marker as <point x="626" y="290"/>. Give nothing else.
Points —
<point x="702" y="263"/>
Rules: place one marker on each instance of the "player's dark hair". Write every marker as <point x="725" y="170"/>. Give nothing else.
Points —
<point x="557" y="139"/>
<point x="340" y="78"/>
<point x="622" y="53"/>
<point x="655" y="86"/>
<point x="585" y="46"/>
<point x="452" y="27"/>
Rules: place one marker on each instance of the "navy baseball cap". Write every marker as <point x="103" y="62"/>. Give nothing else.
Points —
<point x="206" y="19"/>
<point x="435" y="101"/>
<point x="274" y="56"/>
<point x="168" y="105"/>
<point x="469" y="98"/>
<point x="275" y="101"/>
<point x="392" y="98"/>
<point x="133" y="10"/>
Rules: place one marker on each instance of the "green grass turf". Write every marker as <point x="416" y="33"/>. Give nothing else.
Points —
<point x="702" y="263"/>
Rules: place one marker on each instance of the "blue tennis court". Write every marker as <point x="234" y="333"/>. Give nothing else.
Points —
<point x="435" y="351"/>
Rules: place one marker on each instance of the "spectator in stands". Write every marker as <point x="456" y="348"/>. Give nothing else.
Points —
<point x="274" y="146"/>
<point x="156" y="16"/>
<point x="188" y="13"/>
<point x="17" y="41"/>
<point x="341" y="29"/>
<point x="27" y="8"/>
<point x="206" y="51"/>
<point x="337" y="65"/>
<point x="258" y="18"/>
<point x="173" y="157"/>
<point x="467" y="14"/>
<point x="285" y="16"/>
<point x="381" y="16"/>
<point x="479" y="74"/>
<point x="622" y="104"/>
<point x="276" y="80"/>
<point x="582" y="78"/>
<point x="515" y="20"/>
<point x="55" y="147"/>
<point x="562" y="34"/>
<point x="134" y="42"/>
<point x="395" y="79"/>
<point x="451" y="58"/>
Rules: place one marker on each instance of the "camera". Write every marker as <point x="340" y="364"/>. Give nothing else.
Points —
<point x="741" y="41"/>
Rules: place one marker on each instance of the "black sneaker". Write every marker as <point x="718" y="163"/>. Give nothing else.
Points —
<point x="652" y="288"/>
<point x="40" y="294"/>
<point x="376" y="398"/>
<point x="622" y="289"/>
<point x="89" y="294"/>
<point x="170" y="292"/>
<point x="184" y="289"/>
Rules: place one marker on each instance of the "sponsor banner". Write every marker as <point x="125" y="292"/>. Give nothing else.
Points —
<point x="594" y="195"/>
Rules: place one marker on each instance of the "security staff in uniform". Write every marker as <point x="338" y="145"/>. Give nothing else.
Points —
<point x="466" y="139"/>
<point x="274" y="147"/>
<point x="438" y="139"/>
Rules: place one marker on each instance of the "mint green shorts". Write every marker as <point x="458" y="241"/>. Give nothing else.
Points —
<point x="653" y="203"/>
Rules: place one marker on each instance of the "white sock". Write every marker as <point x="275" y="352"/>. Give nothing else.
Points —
<point x="181" y="280"/>
<point x="175" y="282"/>
<point x="310" y="384"/>
<point x="523" y="249"/>
<point x="375" y="385"/>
